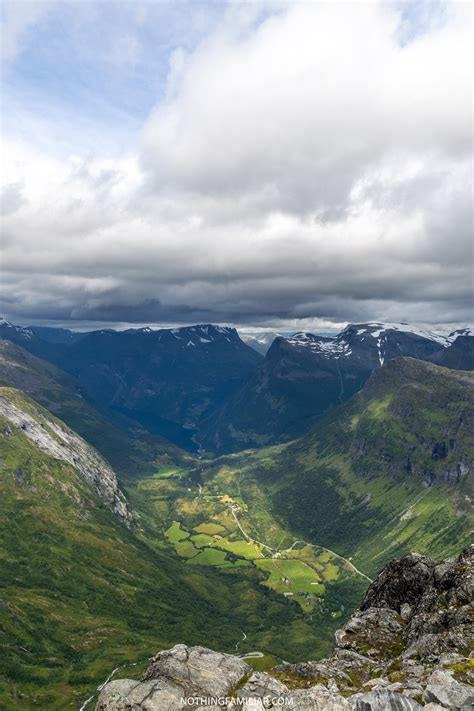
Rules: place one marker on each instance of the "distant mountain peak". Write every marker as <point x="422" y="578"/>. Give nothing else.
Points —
<point x="461" y="332"/>
<point x="376" y="329"/>
<point x="260" y="341"/>
<point x="202" y="334"/>
<point x="26" y="332"/>
<point x="325" y="346"/>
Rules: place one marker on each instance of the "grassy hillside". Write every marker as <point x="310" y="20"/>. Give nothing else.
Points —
<point x="81" y="594"/>
<point x="390" y="471"/>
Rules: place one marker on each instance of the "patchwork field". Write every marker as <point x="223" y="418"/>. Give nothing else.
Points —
<point x="221" y="518"/>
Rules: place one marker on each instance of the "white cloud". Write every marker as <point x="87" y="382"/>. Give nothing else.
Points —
<point x="296" y="111"/>
<point x="309" y="169"/>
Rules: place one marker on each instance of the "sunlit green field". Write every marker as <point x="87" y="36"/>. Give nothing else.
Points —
<point x="168" y="470"/>
<point x="225" y="522"/>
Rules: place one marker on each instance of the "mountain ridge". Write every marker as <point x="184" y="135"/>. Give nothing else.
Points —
<point x="305" y="376"/>
<point x="204" y="389"/>
<point x="165" y="380"/>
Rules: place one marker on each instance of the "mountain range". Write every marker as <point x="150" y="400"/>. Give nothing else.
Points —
<point x="205" y="389"/>
<point x="305" y="376"/>
<point x="167" y="381"/>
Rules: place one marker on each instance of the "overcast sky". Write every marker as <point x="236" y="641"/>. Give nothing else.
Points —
<point x="262" y="164"/>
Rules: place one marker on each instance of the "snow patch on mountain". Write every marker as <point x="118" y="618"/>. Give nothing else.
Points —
<point x="341" y="345"/>
<point x="328" y="347"/>
<point x="26" y="332"/>
<point x="375" y="330"/>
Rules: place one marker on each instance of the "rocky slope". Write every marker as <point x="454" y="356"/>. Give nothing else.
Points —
<point x="53" y="438"/>
<point x="408" y="647"/>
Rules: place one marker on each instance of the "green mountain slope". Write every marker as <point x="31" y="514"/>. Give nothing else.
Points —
<point x="390" y="471"/>
<point x="80" y="593"/>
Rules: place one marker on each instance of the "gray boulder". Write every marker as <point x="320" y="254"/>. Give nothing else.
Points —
<point x="384" y="700"/>
<point x="444" y="690"/>
<point x="128" y="695"/>
<point x="198" y="670"/>
<point x="173" y="676"/>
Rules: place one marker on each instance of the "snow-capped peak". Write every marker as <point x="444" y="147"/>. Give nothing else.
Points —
<point x="26" y="332"/>
<point x="202" y="333"/>
<point x="324" y="345"/>
<point x="377" y="329"/>
<point x="460" y="332"/>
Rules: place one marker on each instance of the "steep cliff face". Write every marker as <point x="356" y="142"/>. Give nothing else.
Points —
<point x="406" y="648"/>
<point x="58" y="441"/>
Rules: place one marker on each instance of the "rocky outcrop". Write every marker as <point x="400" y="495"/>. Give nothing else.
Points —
<point x="195" y="677"/>
<point x="175" y="675"/>
<point x="408" y="647"/>
<point x="58" y="441"/>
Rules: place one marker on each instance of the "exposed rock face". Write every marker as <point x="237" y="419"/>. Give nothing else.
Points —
<point x="383" y="700"/>
<point x="195" y="677"/>
<point x="58" y="441"/>
<point x="406" y="648"/>
<point x="174" y="675"/>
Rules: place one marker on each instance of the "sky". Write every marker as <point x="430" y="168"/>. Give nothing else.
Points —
<point x="268" y="165"/>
